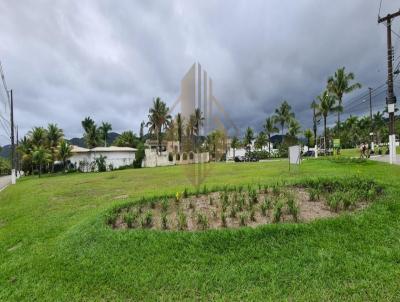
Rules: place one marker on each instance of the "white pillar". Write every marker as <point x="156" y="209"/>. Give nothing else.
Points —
<point x="13" y="178"/>
<point x="392" y="148"/>
<point x="316" y="151"/>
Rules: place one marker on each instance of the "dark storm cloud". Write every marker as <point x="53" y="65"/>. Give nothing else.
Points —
<point x="108" y="59"/>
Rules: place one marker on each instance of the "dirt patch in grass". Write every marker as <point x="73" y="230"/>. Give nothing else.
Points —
<point x="238" y="208"/>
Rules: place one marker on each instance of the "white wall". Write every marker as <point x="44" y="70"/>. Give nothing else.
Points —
<point x="115" y="158"/>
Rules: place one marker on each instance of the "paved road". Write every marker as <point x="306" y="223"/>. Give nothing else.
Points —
<point x="4" y="181"/>
<point x="385" y="158"/>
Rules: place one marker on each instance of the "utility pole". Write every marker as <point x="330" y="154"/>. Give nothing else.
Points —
<point x="17" y="155"/>
<point x="370" y="118"/>
<point x="13" y="178"/>
<point x="391" y="98"/>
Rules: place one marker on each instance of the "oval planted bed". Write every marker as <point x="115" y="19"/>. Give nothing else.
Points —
<point x="239" y="206"/>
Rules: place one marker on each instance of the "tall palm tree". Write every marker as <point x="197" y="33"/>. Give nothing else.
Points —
<point x="87" y="123"/>
<point x="104" y="129"/>
<point x="294" y="128"/>
<point x="179" y="129"/>
<point x="308" y="134"/>
<point x="38" y="136"/>
<point x="327" y="104"/>
<point x="64" y="152"/>
<point x="340" y="84"/>
<point x="91" y="132"/>
<point x="198" y="121"/>
<point x="269" y="129"/>
<point x="40" y="156"/>
<point x="159" y="119"/>
<point x="316" y="118"/>
<point x="261" y="140"/>
<point x="235" y="143"/>
<point x="248" y="138"/>
<point x="127" y="139"/>
<point x="54" y="135"/>
<point x="25" y="149"/>
<point x="283" y="114"/>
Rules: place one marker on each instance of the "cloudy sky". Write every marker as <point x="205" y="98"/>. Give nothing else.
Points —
<point x="107" y="59"/>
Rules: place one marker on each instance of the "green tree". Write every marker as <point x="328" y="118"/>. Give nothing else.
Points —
<point x="54" y="135"/>
<point x="141" y="131"/>
<point x="316" y="118"/>
<point x="127" y="139"/>
<point x="248" y="138"/>
<point x="308" y="134"/>
<point x="91" y="132"/>
<point x="179" y="129"/>
<point x="159" y="119"/>
<point x="38" y="136"/>
<point x="283" y="114"/>
<point x="40" y="157"/>
<point x="269" y="129"/>
<point x="327" y="104"/>
<point x="64" y="152"/>
<point x="104" y="130"/>
<point x="235" y="143"/>
<point x="340" y="84"/>
<point x="260" y="141"/>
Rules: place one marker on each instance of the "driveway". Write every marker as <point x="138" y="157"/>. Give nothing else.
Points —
<point x="4" y="181"/>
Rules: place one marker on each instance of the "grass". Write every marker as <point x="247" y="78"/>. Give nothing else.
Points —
<point x="54" y="245"/>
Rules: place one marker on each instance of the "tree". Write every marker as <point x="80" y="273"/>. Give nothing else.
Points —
<point x="327" y="104"/>
<point x="179" y="129"/>
<point x="64" y="152"/>
<point x="261" y="140"/>
<point x="38" y="136"/>
<point x="159" y="119"/>
<point x="91" y="132"/>
<point x="235" y="143"/>
<point x="294" y="128"/>
<point x="269" y="129"/>
<point x="127" y="139"/>
<point x="283" y="114"/>
<point x="104" y="129"/>
<point x="248" y="138"/>
<point x="141" y="132"/>
<point x="40" y="156"/>
<point x="198" y="121"/>
<point x="308" y="134"/>
<point x="316" y="118"/>
<point x="340" y="84"/>
<point x="25" y="149"/>
<point x="216" y="141"/>
<point x="54" y="135"/>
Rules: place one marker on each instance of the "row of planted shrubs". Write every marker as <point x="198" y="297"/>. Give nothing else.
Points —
<point x="339" y="193"/>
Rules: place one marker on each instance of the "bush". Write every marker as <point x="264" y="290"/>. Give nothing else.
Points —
<point x="139" y="156"/>
<point x="252" y="215"/>
<point x="293" y="208"/>
<point x="243" y="219"/>
<point x="202" y="221"/>
<point x="233" y="212"/>
<point x="278" y="211"/>
<point x="101" y="163"/>
<point x="130" y="219"/>
<point x="182" y="221"/>
<point x="334" y="201"/>
<point x="164" y="221"/>
<point x="264" y="208"/>
<point x="223" y="220"/>
<point x="147" y="220"/>
<point x="164" y="205"/>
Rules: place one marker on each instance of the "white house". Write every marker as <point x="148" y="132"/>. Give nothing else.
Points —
<point x="115" y="157"/>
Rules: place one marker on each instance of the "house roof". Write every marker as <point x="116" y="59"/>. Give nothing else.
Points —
<point x="113" y="149"/>
<point x="76" y="149"/>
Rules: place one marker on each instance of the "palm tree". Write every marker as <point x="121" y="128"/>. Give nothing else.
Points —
<point x="87" y="123"/>
<point x="104" y="129"/>
<point x="283" y="114"/>
<point x="339" y="84"/>
<point x="248" y="138"/>
<point x="91" y="132"/>
<point x="159" y="119"/>
<point x="64" y="152"/>
<point x="308" y="134"/>
<point x="269" y="129"/>
<point x="40" y="156"/>
<point x="327" y="105"/>
<point x="294" y="128"/>
<point x="38" y="136"/>
<point x="261" y="140"/>
<point x="198" y="121"/>
<point x="316" y="118"/>
<point x="25" y="149"/>
<point x="54" y="135"/>
<point x="141" y="132"/>
<point x="235" y="143"/>
<point x="179" y="129"/>
<point x="126" y="139"/>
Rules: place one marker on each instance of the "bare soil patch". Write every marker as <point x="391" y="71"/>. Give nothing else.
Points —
<point x="234" y="209"/>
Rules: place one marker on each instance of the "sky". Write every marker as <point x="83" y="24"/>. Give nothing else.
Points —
<point x="66" y="60"/>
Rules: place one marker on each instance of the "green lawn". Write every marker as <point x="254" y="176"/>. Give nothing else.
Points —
<point x="54" y="245"/>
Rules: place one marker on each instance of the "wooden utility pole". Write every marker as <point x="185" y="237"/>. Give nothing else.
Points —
<point x="391" y="98"/>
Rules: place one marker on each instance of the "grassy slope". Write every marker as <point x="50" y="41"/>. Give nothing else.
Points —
<point x="54" y="246"/>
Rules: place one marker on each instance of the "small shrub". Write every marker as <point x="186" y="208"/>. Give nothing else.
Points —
<point x="334" y="201"/>
<point x="185" y="193"/>
<point x="182" y="221"/>
<point x="277" y="215"/>
<point x="252" y="215"/>
<point x="147" y="220"/>
<point x="130" y="218"/>
<point x="178" y="197"/>
<point x="111" y="218"/>
<point x="223" y="220"/>
<point x="243" y="219"/>
<point x="314" y="195"/>
<point x="233" y="212"/>
<point x="164" y="205"/>
<point x="225" y="201"/>
<point x="293" y="208"/>
<point x="241" y="203"/>
<point x="265" y="189"/>
<point x="253" y="196"/>
<point x="264" y="209"/>
<point x="275" y="190"/>
<point x="202" y="221"/>
<point x="164" y="221"/>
